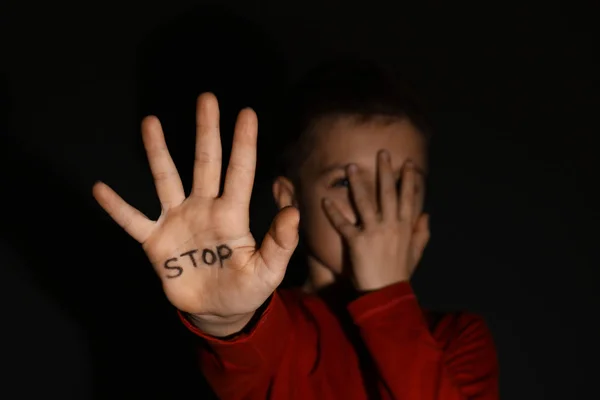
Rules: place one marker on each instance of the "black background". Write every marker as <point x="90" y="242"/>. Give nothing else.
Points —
<point x="511" y="87"/>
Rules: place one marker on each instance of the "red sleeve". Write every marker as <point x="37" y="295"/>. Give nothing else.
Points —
<point x="454" y="360"/>
<point x="243" y="367"/>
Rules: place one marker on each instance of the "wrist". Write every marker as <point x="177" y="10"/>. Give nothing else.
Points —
<point x="220" y="327"/>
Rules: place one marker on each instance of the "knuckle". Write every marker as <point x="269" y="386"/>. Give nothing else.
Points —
<point x="389" y="191"/>
<point x="204" y="157"/>
<point x="238" y="168"/>
<point x="163" y="175"/>
<point x="126" y="222"/>
<point x="156" y="151"/>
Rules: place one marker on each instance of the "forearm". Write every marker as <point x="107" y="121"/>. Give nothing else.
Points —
<point x="455" y="362"/>
<point x="240" y="358"/>
<point x="221" y="327"/>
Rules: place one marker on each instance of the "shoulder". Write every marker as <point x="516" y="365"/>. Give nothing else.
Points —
<point x="453" y="328"/>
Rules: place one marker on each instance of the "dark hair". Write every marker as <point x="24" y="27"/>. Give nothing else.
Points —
<point x="341" y="87"/>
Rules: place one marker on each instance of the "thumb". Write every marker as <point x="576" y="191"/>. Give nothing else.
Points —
<point x="279" y="245"/>
<point x="420" y="237"/>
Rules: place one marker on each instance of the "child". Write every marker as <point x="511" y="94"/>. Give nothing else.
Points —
<point x="355" y="175"/>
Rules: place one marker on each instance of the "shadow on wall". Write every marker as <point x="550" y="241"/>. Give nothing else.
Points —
<point x="96" y="279"/>
<point x="81" y="259"/>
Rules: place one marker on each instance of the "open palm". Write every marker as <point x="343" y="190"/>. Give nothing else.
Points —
<point x="201" y="246"/>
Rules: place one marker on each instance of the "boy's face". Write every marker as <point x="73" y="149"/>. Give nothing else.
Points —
<point x="339" y="142"/>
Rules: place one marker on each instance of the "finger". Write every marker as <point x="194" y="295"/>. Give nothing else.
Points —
<point x="407" y="193"/>
<point x="420" y="237"/>
<point x="242" y="164"/>
<point x="207" y="162"/>
<point x="388" y="195"/>
<point x="279" y="245"/>
<point x="166" y="178"/>
<point x="360" y="196"/>
<point x="136" y="224"/>
<point x="345" y="227"/>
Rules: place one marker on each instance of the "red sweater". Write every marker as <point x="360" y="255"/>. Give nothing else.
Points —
<point x="299" y="349"/>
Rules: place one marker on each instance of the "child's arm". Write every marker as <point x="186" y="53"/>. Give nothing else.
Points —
<point x="450" y="359"/>
<point x="201" y="246"/>
<point x="454" y="361"/>
<point x="243" y="365"/>
<point x="275" y="351"/>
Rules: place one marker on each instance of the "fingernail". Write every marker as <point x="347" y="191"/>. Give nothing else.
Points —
<point x="352" y="168"/>
<point x="409" y="164"/>
<point x="385" y="155"/>
<point x="327" y="202"/>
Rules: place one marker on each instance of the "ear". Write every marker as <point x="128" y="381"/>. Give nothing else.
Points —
<point x="284" y="192"/>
